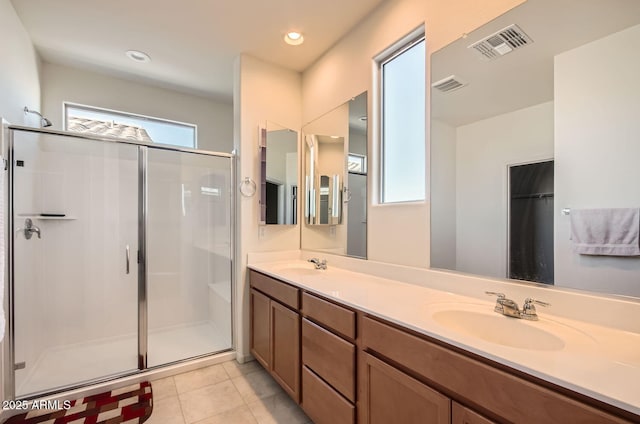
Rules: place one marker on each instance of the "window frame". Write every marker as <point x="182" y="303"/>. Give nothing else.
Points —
<point x="65" y="115"/>
<point x="412" y="39"/>
<point x="362" y="159"/>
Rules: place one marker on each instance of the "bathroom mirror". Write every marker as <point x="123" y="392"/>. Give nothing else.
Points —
<point x="279" y="176"/>
<point x="335" y="178"/>
<point x="325" y="185"/>
<point x="533" y="115"/>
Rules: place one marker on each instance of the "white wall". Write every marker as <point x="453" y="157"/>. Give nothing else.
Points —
<point x="443" y="195"/>
<point x="62" y="83"/>
<point x="483" y="152"/>
<point x="19" y="74"/>
<point x="19" y="87"/>
<point x="397" y="233"/>
<point x="262" y="92"/>
<point x="597" y="97"/>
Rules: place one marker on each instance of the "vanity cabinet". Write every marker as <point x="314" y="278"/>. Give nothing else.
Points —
<point x="329" y="361"/>
<point x="491" y="391"/>
<point x="381" y="372"/>
<point x="275" y="330"/>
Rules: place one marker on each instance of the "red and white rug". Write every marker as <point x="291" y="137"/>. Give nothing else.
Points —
<point x="131" y="405"/>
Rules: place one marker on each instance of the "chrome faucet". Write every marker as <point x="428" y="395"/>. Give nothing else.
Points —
<point x="509" y="308"/>
<point x="319" y="264"/>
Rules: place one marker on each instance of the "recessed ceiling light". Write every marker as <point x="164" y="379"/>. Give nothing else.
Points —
<point x="138" y="56"/>
<point x="294" y="38"/>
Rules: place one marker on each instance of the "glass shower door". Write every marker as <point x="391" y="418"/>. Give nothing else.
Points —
<point x="188" y="253"/>
<point x="75" y="241"/>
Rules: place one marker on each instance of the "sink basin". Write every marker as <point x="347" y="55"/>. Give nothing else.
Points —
<point x="498" y="329"/>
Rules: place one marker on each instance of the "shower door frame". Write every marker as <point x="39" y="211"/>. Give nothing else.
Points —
<point x="143" y="148"/>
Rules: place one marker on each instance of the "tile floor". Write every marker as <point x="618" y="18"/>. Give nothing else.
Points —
<point x="228" y="393"/>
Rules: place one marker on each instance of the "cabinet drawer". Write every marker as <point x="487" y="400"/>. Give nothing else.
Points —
<point x="337" y="318"/>
<point x="331" y="357"/>
<point x="283" y="293"/>
<point x="489" y="390"/>
<point x="323" y="404"/>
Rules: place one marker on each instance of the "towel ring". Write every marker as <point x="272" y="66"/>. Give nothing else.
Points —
<point x="247" y="187"/>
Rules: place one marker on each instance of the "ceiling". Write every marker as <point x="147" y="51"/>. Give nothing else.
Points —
<point x="192" y="43"/>
<point x="523" y="77"/>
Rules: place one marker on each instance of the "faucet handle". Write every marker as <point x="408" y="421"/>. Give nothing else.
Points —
<point x="500" y="298"/>
<point x="529" y="301"/>
<point x="529" y="310"/>
<point x="318" y="263"/>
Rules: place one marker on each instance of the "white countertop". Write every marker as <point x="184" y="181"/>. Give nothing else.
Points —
<point x="598" y="361"/>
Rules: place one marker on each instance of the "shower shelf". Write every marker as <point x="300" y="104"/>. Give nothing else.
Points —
<point x="48" y="218"/>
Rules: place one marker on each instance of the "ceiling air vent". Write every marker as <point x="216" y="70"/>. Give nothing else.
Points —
<point x="449" y="84"/>
<point x="502" y="42"/>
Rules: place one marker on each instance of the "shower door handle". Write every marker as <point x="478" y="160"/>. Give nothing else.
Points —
<point x="29" y="229"/>
<point x="127" y="258"/>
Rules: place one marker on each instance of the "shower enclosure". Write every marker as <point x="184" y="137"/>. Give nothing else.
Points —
<point x="120" y="258"/>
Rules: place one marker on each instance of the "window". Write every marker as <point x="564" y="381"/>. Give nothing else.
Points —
<point x="403" y="123"/>
<point x="105" y="122"/>
<point x="357" y="164"/>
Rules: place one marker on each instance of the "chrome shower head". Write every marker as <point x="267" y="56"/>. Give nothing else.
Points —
<point x="44" y="122"/>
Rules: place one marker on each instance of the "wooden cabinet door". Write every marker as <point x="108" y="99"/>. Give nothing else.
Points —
<point x="463" y="415"/>
<point x="285" y="349"/>
<point x="390" y="396"/>
<point x="260" y="328"/>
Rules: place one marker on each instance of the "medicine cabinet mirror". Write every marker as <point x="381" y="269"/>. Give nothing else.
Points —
<point x="534" y="115"/>
<point x="335" y="180"/>
<point x="279" y="175"/>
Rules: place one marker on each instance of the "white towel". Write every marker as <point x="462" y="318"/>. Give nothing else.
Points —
<point x="609" y="232"/>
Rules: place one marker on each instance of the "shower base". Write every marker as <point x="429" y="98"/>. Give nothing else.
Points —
<point x="74" y="364"/>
